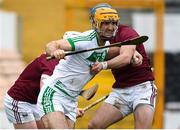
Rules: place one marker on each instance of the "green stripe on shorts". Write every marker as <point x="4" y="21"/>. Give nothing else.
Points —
<point x="47" y="100"/>
<point x="59" y="86"/>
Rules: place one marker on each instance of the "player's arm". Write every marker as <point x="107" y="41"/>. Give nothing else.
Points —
<point x="135" y="61"/>
<point x="58" y="47"/>
<point x="124" y="58"/>
<point x="112" y="52"/>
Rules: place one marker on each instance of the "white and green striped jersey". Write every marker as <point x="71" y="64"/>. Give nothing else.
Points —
<point x="74" y="72"/>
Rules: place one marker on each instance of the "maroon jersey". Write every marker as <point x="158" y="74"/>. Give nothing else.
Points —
<point x="27" y="86"/>
<point x="129" y="75"/>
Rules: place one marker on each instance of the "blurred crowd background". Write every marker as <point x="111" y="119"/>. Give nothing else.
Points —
<point x="27" y="25"/>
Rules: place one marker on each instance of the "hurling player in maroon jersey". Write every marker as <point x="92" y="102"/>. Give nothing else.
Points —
<point x="133" y="90"/>
<point x="20" y="101"/>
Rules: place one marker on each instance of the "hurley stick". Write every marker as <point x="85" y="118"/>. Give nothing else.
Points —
<point x="90" y="92"/>
<point x="95" y="103"/>
<point x="134" y="41"/>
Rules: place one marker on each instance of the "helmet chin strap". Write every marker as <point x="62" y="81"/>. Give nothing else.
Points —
<point x="115" y="31"/>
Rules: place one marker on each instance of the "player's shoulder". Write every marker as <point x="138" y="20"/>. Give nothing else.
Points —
<point x="89" y="35"/>
<point x="85" y="37"/>
<point x="42" y="56"/>
<point x="75" y="34"/>
<point x="71" y="34"/>
<point x="88" y="32"/>
<point x="125" y="32"/>
<point x="122" y="27"/>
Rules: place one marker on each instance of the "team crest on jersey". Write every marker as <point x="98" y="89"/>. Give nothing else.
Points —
<point x="97" y="56"/>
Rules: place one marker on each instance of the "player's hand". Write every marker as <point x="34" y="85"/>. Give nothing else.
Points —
<point x="80" y="112"/>
<point x="137" y="59"/>
<point x="96" y="68"/>
<point x="59" y="54"/>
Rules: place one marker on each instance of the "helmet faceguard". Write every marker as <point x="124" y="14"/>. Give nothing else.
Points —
<point x="103" y="14"/>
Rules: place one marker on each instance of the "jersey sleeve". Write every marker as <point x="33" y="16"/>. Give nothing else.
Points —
<point x="70" y="40"/>
<point x="128" y="33"/>
<point x="47" y="67"/>
<point x="81" y="41"/>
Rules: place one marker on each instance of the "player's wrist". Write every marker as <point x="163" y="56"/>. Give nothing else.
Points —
<point x="104" y="65"/>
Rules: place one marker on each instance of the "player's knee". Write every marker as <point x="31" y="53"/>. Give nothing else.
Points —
<point x="93" y="125"/>
<point x="143" y="122"/>
<point x="140" y="125"/>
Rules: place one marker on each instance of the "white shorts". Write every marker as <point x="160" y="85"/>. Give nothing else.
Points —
<point x="51" y="100"/>
<point x="19" y="112"/>
<point x="127" y="99"/>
